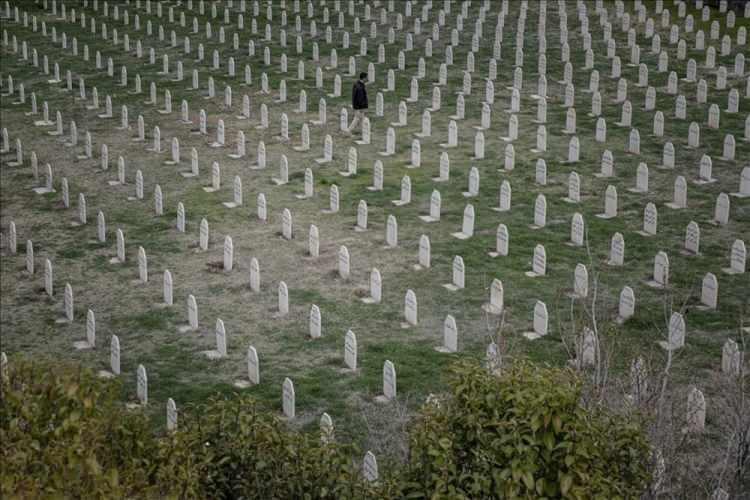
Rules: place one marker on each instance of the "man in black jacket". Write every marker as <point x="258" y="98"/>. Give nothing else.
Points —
<point x="359" y="101"/>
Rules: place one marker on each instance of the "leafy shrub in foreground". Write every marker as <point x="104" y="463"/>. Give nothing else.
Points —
<point x="63" y="430"/>
<point x="523" y="434"/>
<point x="234" y="449"/>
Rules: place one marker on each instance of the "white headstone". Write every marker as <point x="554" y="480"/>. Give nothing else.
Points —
<point x="650" y="220"/>
<point x="458" y="275"/>
<point x="286" y="224"/>
<point x="709" y="291"/>
<point x="696" y="411"/>
<point x="692" y="238"/>
<point x="142" y="385"/>
<point x="142" y="265"/>
<point x="450" y="335"/>
<point x="467" y="226"/>
<point x="389" y="380"/>
<point x="287" y="398"/>
<point x="680" y="193"/>
<point x="721" y="210"/>
<point x="626" y="307"/>
<point x="731" y="360"/>
<point x="391" y="235"/>
<point x="580" y="282"/>
<point x="540" y="212"/>
<point x="228" y="254"/>
<point x="540" y="322"/>
<point x="577" y="230"/>
<point x="661" y="270"/>
<point x="370" y="467"/>
<point x="167" y="287"/>
<point x="313" y="241"/>
<point x="424" y="256"/>
<point x="538" y="262"/>
<point x="410" y="308"/>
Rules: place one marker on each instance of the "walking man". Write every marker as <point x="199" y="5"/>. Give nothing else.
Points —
<point x="359" y="101"/>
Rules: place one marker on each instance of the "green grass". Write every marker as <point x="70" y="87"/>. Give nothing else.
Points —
<point x="176" y="368"/>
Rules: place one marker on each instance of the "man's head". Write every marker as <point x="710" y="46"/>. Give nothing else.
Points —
<point x="363" y="76"/>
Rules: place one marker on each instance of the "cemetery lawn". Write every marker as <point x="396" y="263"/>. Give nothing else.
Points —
<point x="148" y="332"/>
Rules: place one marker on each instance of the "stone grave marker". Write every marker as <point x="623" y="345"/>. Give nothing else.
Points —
<point x="709" y="291"/>
<point x="167" y="288"/>
<point x="142" y="385"/>
<point x="313" y="241"/>
<point x="253" y="369"/>
<point x="405" y="198"/>
<point x="574" y="186"/>
<point x="580" y="282"/>
<point x="495" y="304"/>
<point x="287" y="397"/>
<point x="228" y="254"/>
<point x="221" y="342"/>
<point x="680" y="194"/>
<point x="450" y="336"/>
<point x="744" y="189"/>
<point x="343" y="262"/>
<point x="721" y="210"/>
<point x="538" y="262"/>
<point x="142" y="265"/>
<point x="410" y="309"/>
<point x="540" y="322"/>
<point x="192" y="313"/>
<point x="90" y="341"/>
<point x="286" y="224"/>
<point x="389" y="382"/>
<point x="370" y="467"/>
<point x="540" y="212"/>
<point x="391" y="234"/>
<point x="333" y="200"/>
<point x="350" y="350"/>
<point x="610" y="203"/>
<point x="577" y="230"/>
<point x="171" y="415"/>
<point x="435" y="205"/>
<point x="458" y="275"/>
<point x="254" y="275"/>
<point x="237" y="194"/>
<point x="467" y="226"/>
<point x="473" y="188"/>
<point x="424" y="256"/>
<point x="660" y="277"/>
<point x="650" y="219"/>
<point x="315" y="322"/>
<point x="731" y="359"/>
<point x="626" y="306"/>
<point x="696" y="412"/>
<point x="376" y="284"/>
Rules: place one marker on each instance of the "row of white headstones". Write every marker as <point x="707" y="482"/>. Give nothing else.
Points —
<point x="713" y="122"/>
<point x="370" y="465"/>
<point x="610" y="203"/>
<point x="705" y="171"/>
<point x="220" y="128"/>
<point x="609" y="197"/>
<point x="389" y="232"/>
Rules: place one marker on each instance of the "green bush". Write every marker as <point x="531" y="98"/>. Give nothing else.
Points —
<point x="65" y="433"/>
<point x="232" y="449"/>
<point x="63" y="430"/>
<point x="523" y="435"/>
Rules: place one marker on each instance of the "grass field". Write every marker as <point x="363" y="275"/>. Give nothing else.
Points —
<point x="149" y="333"/>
